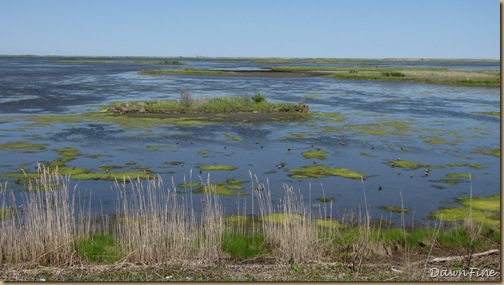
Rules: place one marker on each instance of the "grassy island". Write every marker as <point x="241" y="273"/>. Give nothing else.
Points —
<point x="218" y="105"/>
<point x="419" y="75"/>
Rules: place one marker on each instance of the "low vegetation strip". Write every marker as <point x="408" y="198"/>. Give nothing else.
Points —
<point x="218" y="105"/>
<point x="420" y="75"/>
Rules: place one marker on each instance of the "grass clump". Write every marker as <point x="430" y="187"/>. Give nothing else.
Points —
<point x="243" y="245"/>
<point x="100" y="248"/>
<point x="217" y="105"/>
<point x="314" y="154"/>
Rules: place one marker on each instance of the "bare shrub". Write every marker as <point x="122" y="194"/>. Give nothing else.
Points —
<point x="185" y="98"/>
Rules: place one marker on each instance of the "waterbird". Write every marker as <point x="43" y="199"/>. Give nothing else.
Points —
<point x="280" y="165"/>
<point x="342" y="143"/>
<point x="261" y="147"/>
<point x="288" y="149"/>
<point x="380" y="188"/>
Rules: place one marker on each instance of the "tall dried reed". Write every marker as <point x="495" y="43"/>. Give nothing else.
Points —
<point x="42" y="227"/>
<point x="158" y="225"/>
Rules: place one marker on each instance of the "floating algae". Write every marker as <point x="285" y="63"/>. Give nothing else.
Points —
<point x="314" y="154"/>
<point x="23" y="146"/>
<point x="394" y="209"/>
<point x="405" y="164"/>
<point x="320" y="171"/>
<point x="216" y="167"/>
<point x="219" y="189"/>
<point x="481" y="210"/>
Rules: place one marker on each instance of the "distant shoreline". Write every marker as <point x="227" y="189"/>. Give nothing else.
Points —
<point x="266" y="58"/>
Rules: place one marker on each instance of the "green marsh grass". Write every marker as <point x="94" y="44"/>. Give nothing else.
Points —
<point x="216" y="105"/>
<point x="420" y="75"/>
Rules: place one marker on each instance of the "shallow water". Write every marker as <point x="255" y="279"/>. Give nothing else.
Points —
<point x="376" y="121"/>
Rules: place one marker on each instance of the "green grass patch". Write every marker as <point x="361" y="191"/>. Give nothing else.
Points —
<point x="491" y="152"/>
<point x="471" y="165"/>
<point x="419" y="75"/>
<point x="325" y="199"/>
<point x="314" y="154"/>
<point x="187" y="71"/>
<point x="435" y="141"/>
<point x="321" y="171"/>
<point x="495" y="114"/>
<point x="237" y="221"/>
<point x="490" y="203"/>
<point x="459" y="175"/>
<point x="220" y="189"/>
<point x="216" y="105"/>
<point x="483" y="211"/>
<point x="101" y="248"/>
<point x="216" y="167"/>
<point x="174" y="162"/>
<point x="450" y="181"/>
<point x="326" y="223"/>
<point x="25" y="146"/>
<point x="312" y="96"/>
<point x="161" y="146"/>
<point x="235" y="182"/>
<point x="334" y="117"/>
<point x="459" y="214"/>
<point x="405" y="164"/>
<point x="281" y="218"/>
<point x="5" y="213"/>
<point x="382" y="129"/>
<point x="230" y="137"/>
<point x="394" y="209"/>
<point x="188" y="185"/>
<point x="243" y="245"/>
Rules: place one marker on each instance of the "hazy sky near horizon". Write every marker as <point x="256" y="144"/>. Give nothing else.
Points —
<point x="256" y="28"/>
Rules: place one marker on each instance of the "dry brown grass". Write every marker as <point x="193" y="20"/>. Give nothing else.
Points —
<point x="42" y="228"/>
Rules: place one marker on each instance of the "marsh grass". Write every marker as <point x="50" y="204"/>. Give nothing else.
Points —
<point x="217" y="105"/>
<point x="154" y="224"/>
<point x="421" y="75"/>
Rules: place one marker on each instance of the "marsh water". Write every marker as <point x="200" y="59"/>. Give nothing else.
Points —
<point x="361" y="125"/>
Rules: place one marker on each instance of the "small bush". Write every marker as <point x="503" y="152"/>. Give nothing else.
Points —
<point x="185" y="98"/>
<point x="258" y="98"/>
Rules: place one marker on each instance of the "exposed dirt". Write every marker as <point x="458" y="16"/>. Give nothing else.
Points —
<point x="398" y="267"/>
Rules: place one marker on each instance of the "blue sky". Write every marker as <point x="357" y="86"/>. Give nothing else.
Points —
<point x="256" y="28"/>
